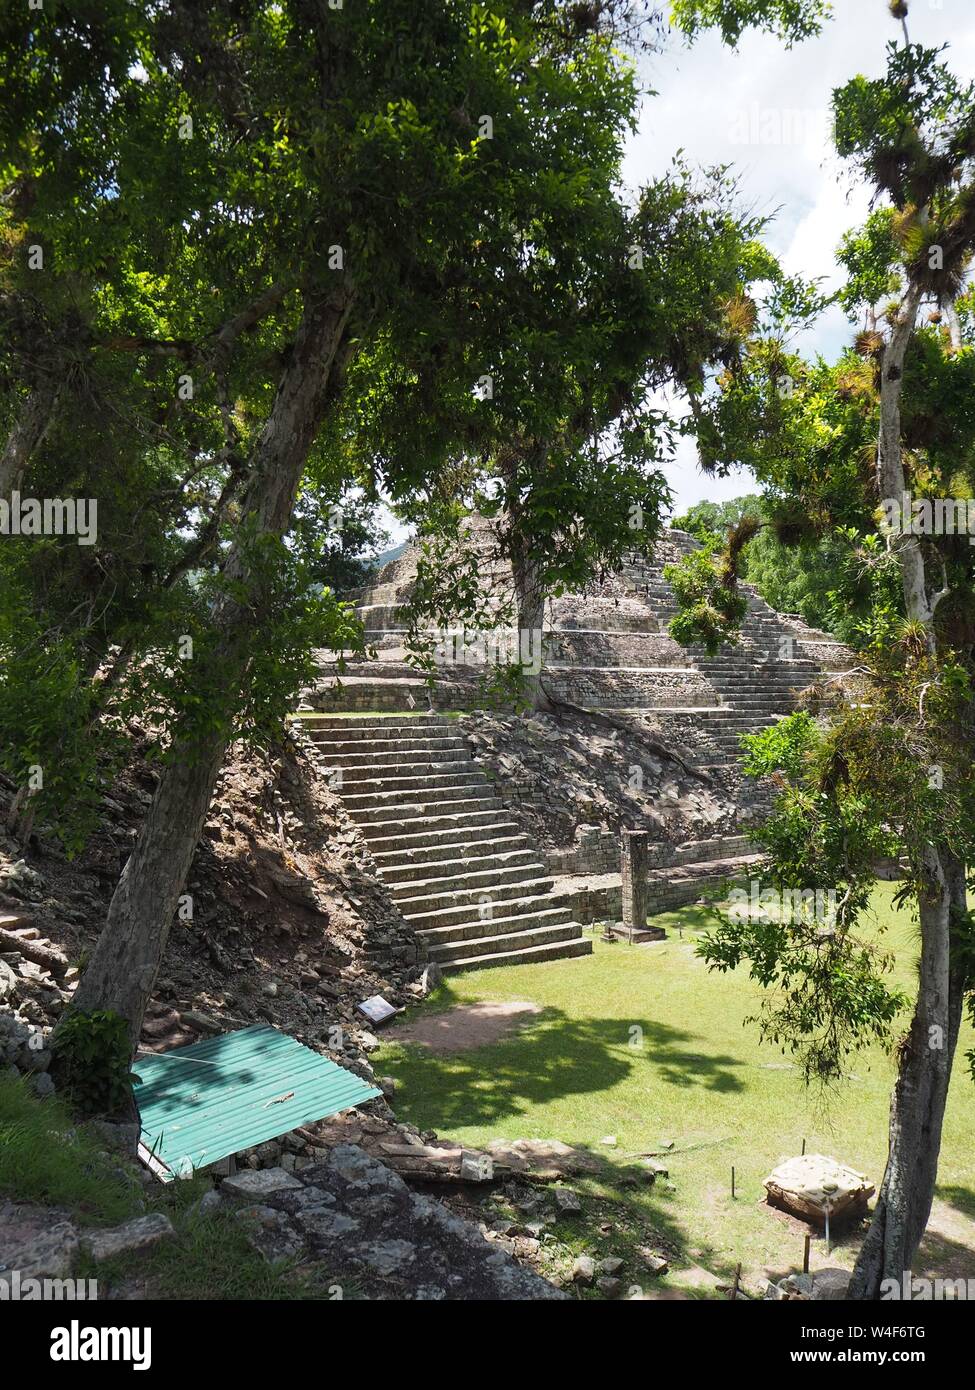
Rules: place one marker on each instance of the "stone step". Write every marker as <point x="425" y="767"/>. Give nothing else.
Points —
<point x="748" y="680"/>
<point x="755" y="704"/>
<point x="477" y="929"/>
<point x="466" y="876"/>
<point x="392" y="833"/>
<point x="392" y="749"/>
<point x="403" y="865"/>
<point x="414" y="790"/>
<point x="752" y="677"/>
<point x="739" y="720"/>
<point x="355" y="726"/>
<point x="368" y="777"/>
<point x="580" y="946"/>
<point x="506" y="941"/>
<point x="512" y="906"/>
<point x="467" y="890"/>
<point x="446" y="831"/>
<point x="372" y="813"/>
<point x="466" y="871"/>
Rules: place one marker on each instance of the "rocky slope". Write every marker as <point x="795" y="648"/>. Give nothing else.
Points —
<point x="285" y="921"/>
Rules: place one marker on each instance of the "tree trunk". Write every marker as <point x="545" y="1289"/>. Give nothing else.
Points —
<point x="26" y="435"/>
<point x="890" y="466"/>
<point x="125" y="962"/>
<point x="530" y="608"/>
<point x="20" y="817"/>
<point x="918" y="1104"/>
<point x="925" y="1057"/>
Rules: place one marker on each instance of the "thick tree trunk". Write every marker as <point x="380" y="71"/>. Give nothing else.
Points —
<point x="925" y="1059"/>
<point x="918" y="1104"/>
<point x="530" y="607"/>
<point x="26" y="435"/>
<point x="123" y="968"/>
<point x="890" y="466"/>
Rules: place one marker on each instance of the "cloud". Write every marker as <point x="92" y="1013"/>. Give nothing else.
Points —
<point x="764" y="110"/>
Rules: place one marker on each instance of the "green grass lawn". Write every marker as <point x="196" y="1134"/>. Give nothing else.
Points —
<point x="646" y="1044"/>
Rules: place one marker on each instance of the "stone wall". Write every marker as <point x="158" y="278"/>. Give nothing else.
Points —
<point x="600" y="898"/>
<point x="597" y="851"/>
<point x="666" y="687"/>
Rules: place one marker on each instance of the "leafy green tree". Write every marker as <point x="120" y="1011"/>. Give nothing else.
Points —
<point x="790" y="20"/>
<point x="569" y="470"/>
<point x="262" y="198"/>
<point x="837" y="581"/>
<point x="844" y="446"/>
<point x="711" y="521"/>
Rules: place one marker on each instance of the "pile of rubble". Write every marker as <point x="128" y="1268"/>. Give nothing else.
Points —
<point x="606" y="770"/>
<point x="347" y="1217"/>
<point x="417" y="1155"/>
<point x="287" y="921"/>
<point x="358" y="1217"/>
<point x="36" y="981"/>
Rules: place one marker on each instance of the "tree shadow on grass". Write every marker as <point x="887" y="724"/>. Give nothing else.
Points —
<point x="554" y="1057"/>
<point x="961" y="1198"/>
<point x="941" y="1256"/>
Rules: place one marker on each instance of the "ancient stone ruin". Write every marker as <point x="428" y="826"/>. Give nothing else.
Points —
<point x="499" y="836"/>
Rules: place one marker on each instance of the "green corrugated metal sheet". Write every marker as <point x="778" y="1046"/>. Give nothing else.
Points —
<point x="200" y="1103"/>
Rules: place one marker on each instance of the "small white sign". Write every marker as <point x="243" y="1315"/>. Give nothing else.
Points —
<point x="377" y="1009"/>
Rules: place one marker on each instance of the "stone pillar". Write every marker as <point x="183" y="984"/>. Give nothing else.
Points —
<point x="634" y="869"/>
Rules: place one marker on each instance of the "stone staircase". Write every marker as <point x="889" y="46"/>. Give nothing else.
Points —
<point x="607" y="649"/>
<point x="757" y="679"/>
<point x="459" y="864"/>
<point x="462" y="873"/>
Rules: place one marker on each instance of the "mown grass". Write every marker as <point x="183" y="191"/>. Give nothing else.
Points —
<point x="646" y="1044"/>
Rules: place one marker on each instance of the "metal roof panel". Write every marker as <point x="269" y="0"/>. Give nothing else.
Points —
<point x="200" y="1103"/>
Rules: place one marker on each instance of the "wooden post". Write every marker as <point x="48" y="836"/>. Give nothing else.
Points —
<point x="805" y="1255"/>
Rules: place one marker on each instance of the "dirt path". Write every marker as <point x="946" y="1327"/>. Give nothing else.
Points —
<point x="467" y="1025"/>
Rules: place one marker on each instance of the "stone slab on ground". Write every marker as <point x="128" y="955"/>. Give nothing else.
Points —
<point x="271" y="1233"/>
<point x="39" y="1242"/>
<point x="254" y="1185"/>
<point x="133" y="1238"/>
<point x="546" y="1160"/>
<point x="810" y="1185"/>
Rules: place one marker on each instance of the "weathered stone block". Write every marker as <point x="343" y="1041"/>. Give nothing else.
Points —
<point x="813" y="1184"/>
<point x="258" y="1183"/>
<point x="132" y="1238"/>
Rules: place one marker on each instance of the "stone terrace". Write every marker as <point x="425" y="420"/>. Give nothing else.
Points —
<point x="482" y="877"/>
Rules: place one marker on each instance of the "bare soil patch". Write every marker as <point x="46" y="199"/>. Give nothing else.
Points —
<point x="467" y="1025"/>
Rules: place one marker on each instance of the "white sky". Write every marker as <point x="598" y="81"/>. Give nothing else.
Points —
<point x="764" y="110"/>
